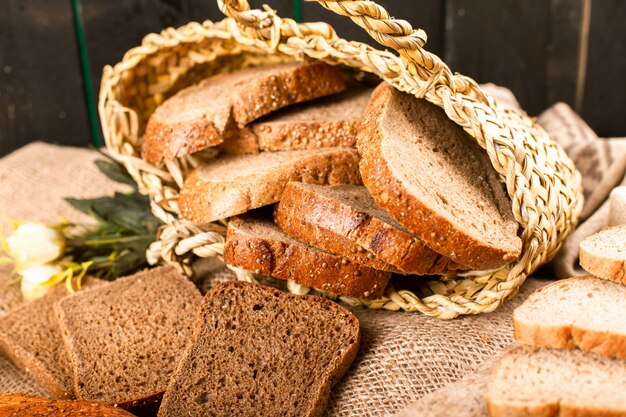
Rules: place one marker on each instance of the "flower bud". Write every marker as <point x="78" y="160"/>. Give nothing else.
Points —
<point x="33" y="278"/>
<point x="35" y="244"/>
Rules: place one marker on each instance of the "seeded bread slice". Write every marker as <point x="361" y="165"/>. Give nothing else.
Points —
<point x="323" y="123"/>
<point x="604" y="254"/>
<point x="531" y="381"/>
<point x="13" y="405"/>
<point x="232" y="185"/>
<point x="260" y="246"/>
<point x="124" y="339"/>
<point x="435" y="180"/>
<point x="257" y="351"/>
<point x="199" y="116"/>
<point x="30" y="337"/>
<point x="584" y="312"/>
<point x="345" y="220"/>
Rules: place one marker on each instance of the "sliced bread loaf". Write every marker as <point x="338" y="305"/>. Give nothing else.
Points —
<point x="345" y="220"/>
<point x="124" y="339"/>
<point x="258" y="351"/>
<point x="199" y="116"/>
<point x="232" y="185"/>
<point x="434" y="179"/>
<point x="13" y="405"/>
<point x="587" y="313"/>
<point x="604" y="254"/>
<point x="260" y="246"/>
<point x="323" y="123"/>
<point x="530" y="381"/>
<point x="30" y="337"/>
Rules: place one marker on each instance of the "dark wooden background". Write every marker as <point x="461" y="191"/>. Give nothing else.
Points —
<point x="544" y="50"/>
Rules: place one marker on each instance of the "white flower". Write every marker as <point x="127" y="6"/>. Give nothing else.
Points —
<point x="33" y="278"/>
<point x="34" y="244"/>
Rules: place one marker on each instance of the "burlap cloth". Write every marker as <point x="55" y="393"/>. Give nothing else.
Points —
<point x="403" y="356"/>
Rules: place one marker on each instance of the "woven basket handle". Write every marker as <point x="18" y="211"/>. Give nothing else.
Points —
<point x="266" y="26"/>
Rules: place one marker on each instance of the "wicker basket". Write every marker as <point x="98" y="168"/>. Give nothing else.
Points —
<point x="541" y="180"/>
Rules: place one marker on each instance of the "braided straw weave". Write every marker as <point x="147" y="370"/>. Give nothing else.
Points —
<point x="541" y="180"/>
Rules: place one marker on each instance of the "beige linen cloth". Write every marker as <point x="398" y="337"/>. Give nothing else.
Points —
<point x="403" y="356"/>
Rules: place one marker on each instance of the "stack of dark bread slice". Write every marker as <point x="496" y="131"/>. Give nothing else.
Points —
<point x="574" y="358"/>
<point x="365" y="182"/>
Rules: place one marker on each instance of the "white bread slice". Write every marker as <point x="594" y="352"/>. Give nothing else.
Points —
<point x="199" y="116"/>
<point x="604" y="254"/>
<point x="435" y="180"/>
<point x="539" y="382"/>
<point x="587" y="313"/>
<point x="234" y="184"/>
<point x="322" y="123"/>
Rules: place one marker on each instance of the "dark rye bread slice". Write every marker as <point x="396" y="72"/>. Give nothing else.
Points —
<point x="530" y="381"/>
<point x="232" y="185"/>
<point x="323" y="123"/>
<point x="604" y="254"/>
<point x="587" y="313"/>
<point x="13" y="405"/>
<point x="257" y="351"/>
<point x="345" y="220"/>
<point x="124" y="339"/>
<point x="433" y="178"/>
<point x="260" y="246"/>
<point x="199" y="116"/>
<point x="30" y="337"/>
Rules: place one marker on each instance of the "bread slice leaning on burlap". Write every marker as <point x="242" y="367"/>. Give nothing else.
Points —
<point x="538" y="382"/>
<point x="327" y="122"/>
<point x="14" y="405"/>
<point x="345" y="220"/>
<point x="231" y="185"/>
<point x="199" y="116"/>
<point x="604" y="254"/>
<point x="258" y="245"/>
<point x="584" y="313"/>
<point x="433" y="178"/>
<point x="124" y="339"/>
<point x="259" y="351"/>
<point x="30" y="337"/>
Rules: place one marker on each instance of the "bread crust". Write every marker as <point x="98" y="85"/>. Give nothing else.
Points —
<point x="344" y="230"/>
<point x="301" y="263"/>
<point x="251" y="99"/>
<point x="30" y="406"/>
<point x="567" y="336"/>
<point x="600" y="264"/>
<point x="433" y="228"/>
<point x="203" y="201"/>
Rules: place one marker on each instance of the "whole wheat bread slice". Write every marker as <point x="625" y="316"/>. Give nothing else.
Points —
<point x="260" y="246"/>
<point x="434" y="179"/>
<point x="124" y="339"/>
<point x="604" y="254"/>
<point x="323" y="123"/>
<point x="257" y="351"/>
<point x="232" y="185"/>
<point x="13" y="405"/>
<point x="532" y="381"/>
<point x="345" y="220"/>
<point x="199" y="116"/>
<point x="587" y="313"/>
<point x="30" y="337"/>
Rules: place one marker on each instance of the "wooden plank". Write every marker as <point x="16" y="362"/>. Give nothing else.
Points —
<point x="604" y="98"/>
<point x="501" y="41"/>
<point x="563" y="50"/>
<point x="425" y="14"/>
<point x="41" y="94"/>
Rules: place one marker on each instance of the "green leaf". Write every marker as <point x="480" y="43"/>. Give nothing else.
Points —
<point x="115" y="172"/>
